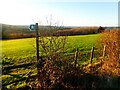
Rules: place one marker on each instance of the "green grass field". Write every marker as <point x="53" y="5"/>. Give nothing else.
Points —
<point x="18" y="50"/>
<point x="82" y="42"/>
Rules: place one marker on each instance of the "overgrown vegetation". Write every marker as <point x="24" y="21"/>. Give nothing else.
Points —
<point x="110" y="39"/>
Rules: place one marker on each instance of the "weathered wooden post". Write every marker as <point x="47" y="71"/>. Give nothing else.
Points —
<point x="91" y="55"/>
<point x="76" y="56"/>
<point x="34" y="27"/>
<point x="104" y="49"/>
<point x="39" y="58"/>
<point x="37" y="43"/>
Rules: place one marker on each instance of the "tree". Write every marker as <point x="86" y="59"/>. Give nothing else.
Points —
<point x="101" y="29"/>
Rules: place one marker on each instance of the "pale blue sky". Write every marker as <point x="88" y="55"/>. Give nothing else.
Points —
<point x="68" y="13"/>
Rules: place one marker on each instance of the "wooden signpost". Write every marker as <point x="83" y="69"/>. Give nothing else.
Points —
<point x="34" y="27"/>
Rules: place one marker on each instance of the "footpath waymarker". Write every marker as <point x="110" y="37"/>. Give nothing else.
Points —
<point x="32" y="27"/>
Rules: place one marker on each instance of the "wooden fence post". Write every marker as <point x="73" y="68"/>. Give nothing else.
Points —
<point x="91" y="55"/>
<point x="104" y="49"/>
<point x="76" y="56"/>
